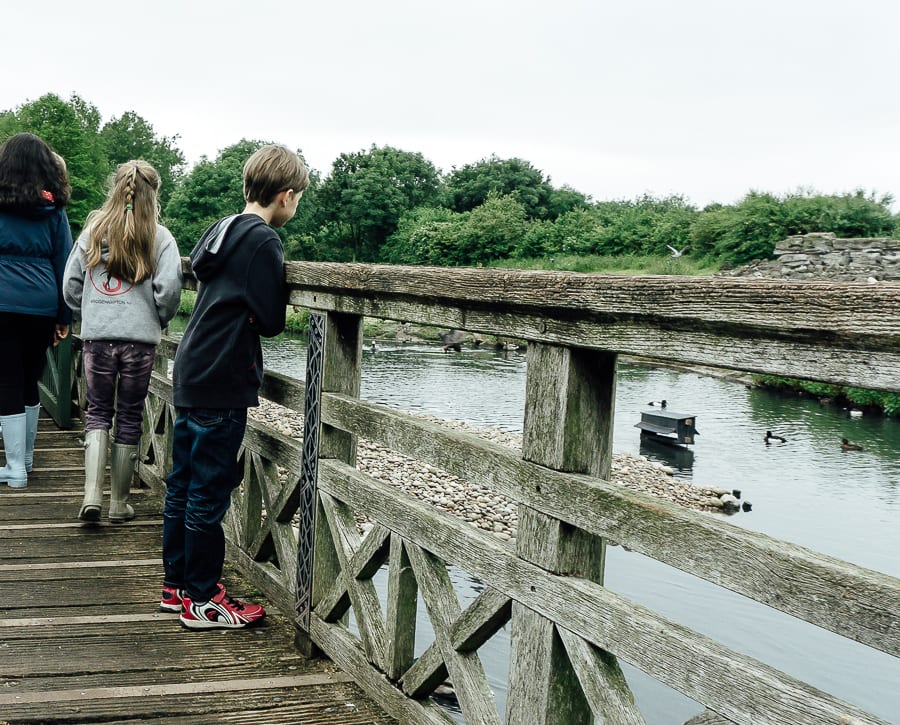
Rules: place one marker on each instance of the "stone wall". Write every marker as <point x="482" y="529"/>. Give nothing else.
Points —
<point x="821" y="255"/>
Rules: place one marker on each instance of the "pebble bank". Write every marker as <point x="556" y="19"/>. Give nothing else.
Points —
<point x="482" y="507"/>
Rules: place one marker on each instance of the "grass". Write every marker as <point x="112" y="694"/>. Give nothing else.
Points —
<point x="624" y="264"/>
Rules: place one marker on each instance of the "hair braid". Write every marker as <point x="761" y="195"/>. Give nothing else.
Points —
<point x="130" y="183"/>
<point x="125" y="227"/>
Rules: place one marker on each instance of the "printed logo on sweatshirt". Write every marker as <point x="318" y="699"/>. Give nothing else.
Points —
<point x="108" y="285"/>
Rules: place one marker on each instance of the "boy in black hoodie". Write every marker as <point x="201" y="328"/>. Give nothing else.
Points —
<point x="239" y="264"/>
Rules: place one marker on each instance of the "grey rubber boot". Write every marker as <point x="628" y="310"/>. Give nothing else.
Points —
<point x="94" y="471"/>
<point x="121" y="471"/>
<point x="31" y="424"/>
<point x="13" y="473"/>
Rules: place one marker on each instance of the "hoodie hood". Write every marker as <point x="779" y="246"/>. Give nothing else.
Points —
<point x="205" y="258"/>
<point x="210" y="252"/>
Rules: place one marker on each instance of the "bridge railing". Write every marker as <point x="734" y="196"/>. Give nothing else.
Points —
<point x="293" y="523"/>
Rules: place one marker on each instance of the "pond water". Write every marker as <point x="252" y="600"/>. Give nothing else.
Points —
<point x="806" y="491"/>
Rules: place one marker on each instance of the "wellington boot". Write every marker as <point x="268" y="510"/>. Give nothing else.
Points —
<point x="121" y="471"/>
<point x="13" y="473"/>
<point x="31" y="424"/>
<point x="94" y="471"/>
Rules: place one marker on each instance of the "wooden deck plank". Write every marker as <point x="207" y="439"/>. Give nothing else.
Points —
<point x="62" y="506"/>
<point x="82" y="639"/>
<point x="336" y="702"/>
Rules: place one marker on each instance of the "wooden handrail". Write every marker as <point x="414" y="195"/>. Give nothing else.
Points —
<point x="839" y="333"/>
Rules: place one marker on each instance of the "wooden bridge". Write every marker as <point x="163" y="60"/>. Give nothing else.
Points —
<point x="293" y="529"/>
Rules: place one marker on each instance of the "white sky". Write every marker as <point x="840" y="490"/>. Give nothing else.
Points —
<point x="705" y="98"/>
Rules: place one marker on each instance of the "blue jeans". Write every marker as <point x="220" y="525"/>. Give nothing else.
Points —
<point x="117" y="375"/>
<point x="205" y="446"/>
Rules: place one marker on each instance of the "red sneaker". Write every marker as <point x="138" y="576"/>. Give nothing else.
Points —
<point x="171" y="599"/>
<point x="220" y="612"/>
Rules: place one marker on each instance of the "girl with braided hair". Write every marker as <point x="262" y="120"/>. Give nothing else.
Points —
<point x="124" y="279"/>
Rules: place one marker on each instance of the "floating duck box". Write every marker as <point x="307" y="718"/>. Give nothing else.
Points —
<point x="668" y="426"/>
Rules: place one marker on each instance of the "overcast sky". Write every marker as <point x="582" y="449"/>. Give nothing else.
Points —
<point x="704" y="98"/>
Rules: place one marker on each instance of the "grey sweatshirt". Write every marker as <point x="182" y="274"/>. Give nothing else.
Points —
<point x="112" y="309"/>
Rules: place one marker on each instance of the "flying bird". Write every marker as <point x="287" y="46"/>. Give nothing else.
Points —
<point x="675" y="253"/>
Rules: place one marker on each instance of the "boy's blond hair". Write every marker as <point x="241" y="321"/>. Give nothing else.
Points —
<point x="271" y="170"/>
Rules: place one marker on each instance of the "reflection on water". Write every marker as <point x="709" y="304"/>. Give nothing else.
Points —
<point x="676" y="456"/>
<point x="806" y="490"/>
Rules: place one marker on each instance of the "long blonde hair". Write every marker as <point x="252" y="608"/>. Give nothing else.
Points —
<point x="127" y="224"/>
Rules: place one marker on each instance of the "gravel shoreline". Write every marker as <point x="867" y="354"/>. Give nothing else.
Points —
<point x="482" y="507"/>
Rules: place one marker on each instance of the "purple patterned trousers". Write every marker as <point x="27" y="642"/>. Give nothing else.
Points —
<point x="117" y="376"/>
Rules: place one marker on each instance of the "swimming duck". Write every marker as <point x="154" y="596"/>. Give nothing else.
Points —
<point x="770" y="438"/>
<point x="848" y="446"/>
<point x="660" y="403"/>
<point x="452" y="340"/>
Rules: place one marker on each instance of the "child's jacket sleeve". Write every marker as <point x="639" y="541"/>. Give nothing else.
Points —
<point x="267" y="290"/>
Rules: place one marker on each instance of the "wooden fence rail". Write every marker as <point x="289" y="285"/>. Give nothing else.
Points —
<point x="567" y="629"/>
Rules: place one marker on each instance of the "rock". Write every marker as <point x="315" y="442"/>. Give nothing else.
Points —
<point x="478" y="505"/>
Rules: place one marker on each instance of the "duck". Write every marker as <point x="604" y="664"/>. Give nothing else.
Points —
<point x="772" y="438"/>
<point x="452" y="340"/>
<point x="848" y="446"/>
<point x="660" y="403"/>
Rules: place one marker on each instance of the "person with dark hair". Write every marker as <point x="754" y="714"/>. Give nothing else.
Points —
<point x="35" y="241"/>
<point x="124" y="278"/>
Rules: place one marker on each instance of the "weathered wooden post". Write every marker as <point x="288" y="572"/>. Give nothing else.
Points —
<point x="569" y="404"/>
<point x="333" y="365"/>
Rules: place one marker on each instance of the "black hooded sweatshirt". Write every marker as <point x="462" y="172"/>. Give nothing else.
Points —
<point x="239" y="263"/>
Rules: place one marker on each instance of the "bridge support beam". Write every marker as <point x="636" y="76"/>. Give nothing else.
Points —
<point x="569" y="404"/>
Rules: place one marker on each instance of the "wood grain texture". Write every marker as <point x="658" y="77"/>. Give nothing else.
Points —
<point x="737" y="686"/>
<point x="847" y="599"/>
<point x="845" y="333"/>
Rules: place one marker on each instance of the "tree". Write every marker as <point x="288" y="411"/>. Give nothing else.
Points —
<point x="422" y="236"/>
<point x="577" y="232"/>
<point x="367" y="192"/>
<point x="214" y="189"/>
<point x="470" y="186"/>
<point x="643" y="226"/>
<point x="131" y="137"/>
<point x="302" y="234"/>
<point x="750" y="229"/>
<point x="492" y="230"/>
<point x="72" y="130"/>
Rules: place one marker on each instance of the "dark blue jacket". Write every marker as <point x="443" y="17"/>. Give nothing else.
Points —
<point x="33" y="254"/>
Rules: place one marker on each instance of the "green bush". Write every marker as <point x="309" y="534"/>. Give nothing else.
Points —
<point x="186" y="305"/>
<point x="888" y="403"/>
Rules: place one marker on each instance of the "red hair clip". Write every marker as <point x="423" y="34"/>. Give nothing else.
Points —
<point x="47" y="195"/>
